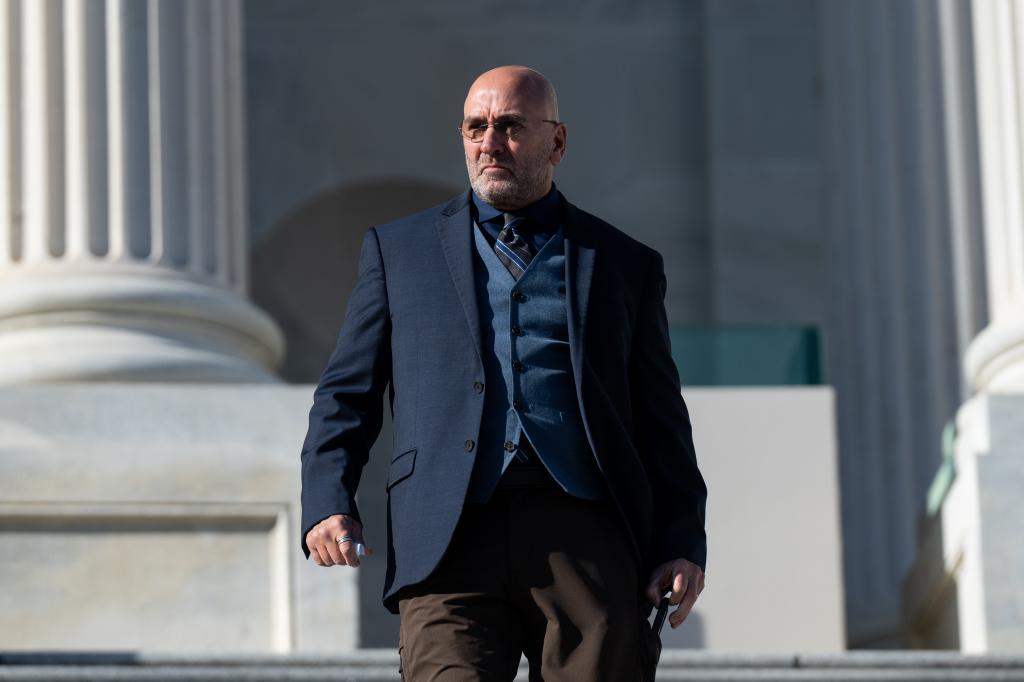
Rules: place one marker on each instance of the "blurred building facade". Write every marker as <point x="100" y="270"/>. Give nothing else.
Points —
<point x="851" y="167"/>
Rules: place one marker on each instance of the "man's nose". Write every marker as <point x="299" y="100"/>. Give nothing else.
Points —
<point x="493" y="142"/>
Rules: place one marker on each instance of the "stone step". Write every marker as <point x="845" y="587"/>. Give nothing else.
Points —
<point x="378" y="665"/>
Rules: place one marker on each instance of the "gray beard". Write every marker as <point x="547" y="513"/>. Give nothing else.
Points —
<point x="514" y="193"/>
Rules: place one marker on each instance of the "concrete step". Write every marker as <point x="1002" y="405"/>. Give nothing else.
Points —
<point x="378" y="665"/>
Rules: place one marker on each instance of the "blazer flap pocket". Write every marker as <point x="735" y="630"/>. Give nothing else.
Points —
<point x="401" y="467"/>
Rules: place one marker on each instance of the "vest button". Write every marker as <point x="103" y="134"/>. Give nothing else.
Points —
<point x="517" y="403"/>
<point x="510" y="446"/>
<point x="517" y="330"/>
<point x="478" y="387"/>
<point x="469" y="444"/>
<point x="518" y="295"/>
<point x="517" y="366"/>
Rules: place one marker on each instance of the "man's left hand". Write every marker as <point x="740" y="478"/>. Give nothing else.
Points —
<point x="687" y="582"/>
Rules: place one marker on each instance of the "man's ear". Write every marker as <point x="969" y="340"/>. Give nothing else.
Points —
<point x="558" y="145"/>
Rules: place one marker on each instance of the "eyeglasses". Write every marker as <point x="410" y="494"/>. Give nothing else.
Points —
<point x="474" y="129"/>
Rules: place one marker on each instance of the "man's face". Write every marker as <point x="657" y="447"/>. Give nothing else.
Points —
<point x="511" y="173"/>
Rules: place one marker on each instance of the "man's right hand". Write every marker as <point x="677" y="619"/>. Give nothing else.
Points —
<point x="324" y="548"/>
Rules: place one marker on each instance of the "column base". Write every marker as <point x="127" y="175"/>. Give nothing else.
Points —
<point x="995" y="358"/>
<point x="131" y="327"/>
<point x="960" y="589"/>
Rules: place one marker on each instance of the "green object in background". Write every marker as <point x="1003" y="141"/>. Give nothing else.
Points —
<point x="944" y="477"/>
<point x="747" y="356"/>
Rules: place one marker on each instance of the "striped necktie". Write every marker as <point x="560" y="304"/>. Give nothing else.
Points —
<point x="512" y="250"/>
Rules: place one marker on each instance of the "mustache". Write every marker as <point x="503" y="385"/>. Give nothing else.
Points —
<point x="483" y="163"/>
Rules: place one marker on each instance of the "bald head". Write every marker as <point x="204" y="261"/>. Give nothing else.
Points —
<point x="515" y="139"/>
<point x="525" y="83"/>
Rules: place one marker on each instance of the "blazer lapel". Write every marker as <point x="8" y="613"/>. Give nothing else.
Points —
<point x="579" y="269"/>
<point x="454" y="228"/>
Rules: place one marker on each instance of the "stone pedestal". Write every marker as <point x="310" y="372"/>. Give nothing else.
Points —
<point x="965" y="588"/>
<point x="162" y="518"/>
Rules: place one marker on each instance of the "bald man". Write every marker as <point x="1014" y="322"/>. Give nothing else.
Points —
<point x="543" y="490"/>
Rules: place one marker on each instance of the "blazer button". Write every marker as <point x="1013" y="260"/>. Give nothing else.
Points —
<point x="517" y="330"/>
<point x="510" y="446"/>
<point x="469" y="444"/>
<point x="478" y="387"/>
<point x="517" y="366"/>
<point x="517" y="403"/>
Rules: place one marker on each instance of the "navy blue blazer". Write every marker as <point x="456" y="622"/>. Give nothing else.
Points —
<point x="412" y="326"/>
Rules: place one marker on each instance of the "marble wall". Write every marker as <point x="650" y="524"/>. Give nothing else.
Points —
<point x="343" y="97"/>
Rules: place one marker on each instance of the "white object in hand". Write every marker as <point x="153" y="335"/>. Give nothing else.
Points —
<point x="360" y="549"/>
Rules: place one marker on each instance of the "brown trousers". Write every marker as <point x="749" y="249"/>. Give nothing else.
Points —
<point x="534" y="571"/>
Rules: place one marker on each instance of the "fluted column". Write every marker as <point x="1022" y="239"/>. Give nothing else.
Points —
<point x="968" y="568"/>
<point x="122" y="194"/>
<point x="995" y="358"/>
<point x="897" y="300"/>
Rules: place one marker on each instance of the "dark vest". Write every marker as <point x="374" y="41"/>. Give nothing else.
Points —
<point x="530" y="390"/>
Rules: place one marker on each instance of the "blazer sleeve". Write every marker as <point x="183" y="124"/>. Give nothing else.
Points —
<point x="663" y="434"/>
<point x="347" y="411"/>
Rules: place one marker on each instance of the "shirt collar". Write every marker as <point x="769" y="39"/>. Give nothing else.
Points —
<point x="545" y="213"/>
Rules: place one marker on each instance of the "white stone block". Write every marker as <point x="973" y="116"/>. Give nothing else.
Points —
<point x="161" y="518"/>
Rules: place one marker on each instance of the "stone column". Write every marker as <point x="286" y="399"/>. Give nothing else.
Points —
<point x="967" y="575"/>
<point x="897" y="223"/>
<point x="122" y="194"/>
<point x="995" y="358"/>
